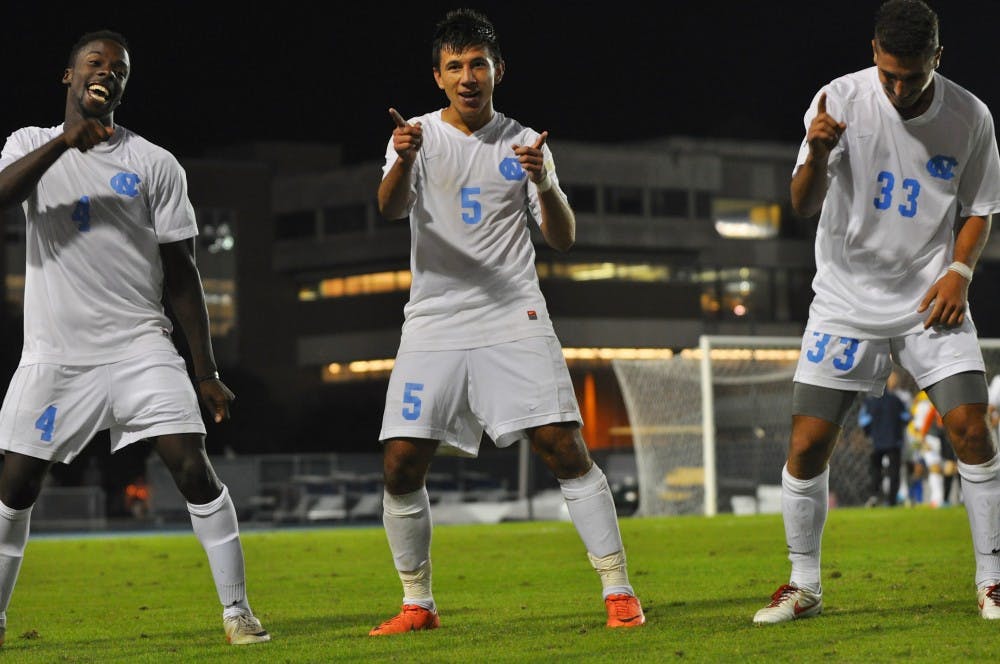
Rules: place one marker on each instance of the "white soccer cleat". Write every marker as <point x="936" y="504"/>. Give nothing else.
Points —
<point x="989" y="602"/>
<point x="790" y="603"/>
<point x="244" y="628"/>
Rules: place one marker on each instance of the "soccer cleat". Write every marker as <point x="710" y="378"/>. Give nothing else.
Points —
<point x="989" y="602"/>
<point x="411" y="619"/>
<point x="624" y="610"/>
<point x="790" y="603"/>
<point x="244" y="628"/>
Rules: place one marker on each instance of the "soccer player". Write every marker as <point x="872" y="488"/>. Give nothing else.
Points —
<point x="893" y="155"/>
<point x="478" y="351"/>
<point x="110" y="231"/>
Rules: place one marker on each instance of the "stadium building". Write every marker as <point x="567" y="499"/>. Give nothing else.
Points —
<point x="676" y="238"/>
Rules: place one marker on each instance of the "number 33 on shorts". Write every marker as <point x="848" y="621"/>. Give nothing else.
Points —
<point x="840" y="351"/>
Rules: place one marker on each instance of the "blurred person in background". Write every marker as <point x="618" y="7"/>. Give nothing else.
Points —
<point x="884" y="421"/>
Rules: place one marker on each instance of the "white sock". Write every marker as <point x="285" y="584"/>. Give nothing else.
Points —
<point x="981" y="494"/>
<point x="592" y="510"/>
<point x="803" y="508"/>
<point x="216" y="527"/>
<point x="408" y="526"/>
<point x="14" y="526"/>
<point x="935" y="482"/>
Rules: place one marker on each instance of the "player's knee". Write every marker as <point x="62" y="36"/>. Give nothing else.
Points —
<point x="562" y="448"/>
<point x="403" y="473"/>
<point x="969" y="435"/>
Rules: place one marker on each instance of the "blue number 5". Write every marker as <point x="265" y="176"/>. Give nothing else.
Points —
<point x="411" y="410"/>
<point x="47" y="423"/>
<point x="475" y="213"/>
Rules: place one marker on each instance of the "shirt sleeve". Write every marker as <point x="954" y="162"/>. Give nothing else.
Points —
<point x="979" y="190"/>
<point x="170" y="208"/>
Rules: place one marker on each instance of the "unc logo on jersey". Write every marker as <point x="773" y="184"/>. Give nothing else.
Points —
<point x="511" y="169"/>
<point x="942" y="167"/>
<point x="126" y="184"/>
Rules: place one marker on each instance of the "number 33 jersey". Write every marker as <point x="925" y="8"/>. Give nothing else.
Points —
<point x="471" y="255"/>
<point x="93" y="275"/>
<point x="896" y="189"/>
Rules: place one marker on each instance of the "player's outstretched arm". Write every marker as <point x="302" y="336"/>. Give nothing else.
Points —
<point x="810" y="181"/>
<point x="558" y="223"/>
<point x="948" y="298"/>
<point x="18" y="180"/>
<point x="182" y="284"/>
<point x="394" y="190"/>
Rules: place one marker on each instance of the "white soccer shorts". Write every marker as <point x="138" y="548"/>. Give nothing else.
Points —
<point x="864" y="365"/>
<point x="52" y="411"/>
<point x="454" y="395"/>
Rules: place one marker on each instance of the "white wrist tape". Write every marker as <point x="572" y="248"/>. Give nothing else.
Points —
<point x="962" y="269"/>
<point x="545" y="184"/>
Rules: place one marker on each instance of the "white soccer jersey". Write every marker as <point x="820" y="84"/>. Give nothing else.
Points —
<point x="94" y="277"/>
<point x="886" y="232"/>
<point x="473" y="264"/>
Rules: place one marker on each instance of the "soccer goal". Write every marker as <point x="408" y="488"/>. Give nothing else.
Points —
<point x="710" y="427"/>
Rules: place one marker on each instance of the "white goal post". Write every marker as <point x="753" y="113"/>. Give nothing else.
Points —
<point x="710" y="426"/>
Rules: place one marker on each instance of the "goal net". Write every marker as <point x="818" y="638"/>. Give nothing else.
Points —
<point x="710" y="426"/>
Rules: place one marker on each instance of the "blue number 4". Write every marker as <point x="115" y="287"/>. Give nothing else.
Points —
<point x="411" y="410"/>
<point x="81" y="214"/>
<point x="47" y="423"/>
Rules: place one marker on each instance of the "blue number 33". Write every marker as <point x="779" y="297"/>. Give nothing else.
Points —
<point x="845" y="357"/>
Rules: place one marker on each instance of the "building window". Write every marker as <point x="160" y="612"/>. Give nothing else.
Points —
<point x="582" y="197"/>
<point x="295" y="225"/>
<point x="623" y="200"/>
<point x="344" y="219"/>
<point x="702" y="205"/>
<point x="669" y="203"/>
<point x="356" y="284"/>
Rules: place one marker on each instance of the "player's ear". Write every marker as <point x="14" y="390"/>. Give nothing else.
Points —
<point x="67" y="76"/>
<point x="500" y="69"/>
<point x="437" y="78"/>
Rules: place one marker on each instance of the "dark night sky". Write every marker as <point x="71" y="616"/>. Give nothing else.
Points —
<point x="208" y="74"/>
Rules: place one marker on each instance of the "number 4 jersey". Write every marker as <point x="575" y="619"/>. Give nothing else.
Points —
<point x="896" y="189"/>
<point x="472" y="259"/>
<point x="93" y="275"/>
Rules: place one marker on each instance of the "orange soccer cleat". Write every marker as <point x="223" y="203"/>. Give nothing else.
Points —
<point x="624" y="610"/>
<point x="411" y="619"/>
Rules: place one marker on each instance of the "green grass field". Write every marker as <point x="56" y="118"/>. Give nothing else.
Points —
<point x="898" y="586"/>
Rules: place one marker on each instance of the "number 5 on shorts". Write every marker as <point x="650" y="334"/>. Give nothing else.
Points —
<point x="411" y="409"/>
<point x="47" y="423"/>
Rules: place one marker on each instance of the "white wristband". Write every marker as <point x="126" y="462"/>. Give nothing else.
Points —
<point x="545" y="184"/>
<point x="962" y="269"/>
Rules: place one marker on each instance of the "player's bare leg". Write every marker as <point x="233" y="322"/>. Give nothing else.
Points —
<point x="592" y="510"/>
<point x="213" y="518"/>
<point x="406" y="516"/>
<point x="979" y="468"/>
<point x="805" y="488"/>
<point x="20" y="484"/>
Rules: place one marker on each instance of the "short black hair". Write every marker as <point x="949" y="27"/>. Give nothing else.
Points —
<point x="461" y="29"/>
<point x="109" y="35"/>
<point x="906" y="28"/>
